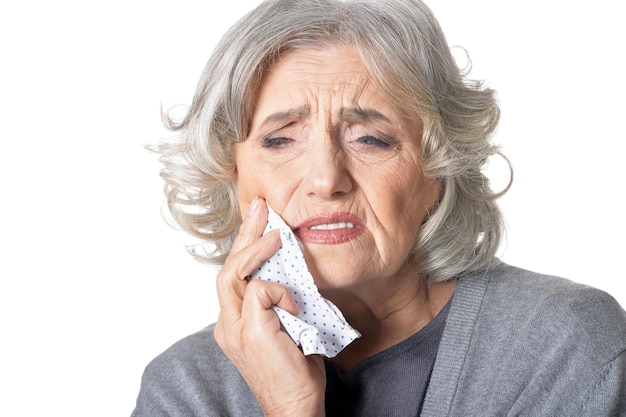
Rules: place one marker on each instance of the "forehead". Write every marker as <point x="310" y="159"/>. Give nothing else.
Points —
<point x="333" y="63"/>
<point x="314" y="79"/>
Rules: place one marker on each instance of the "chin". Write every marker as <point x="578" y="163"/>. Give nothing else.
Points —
<point x="342" y="266"/>
<point x="330" y="277"/>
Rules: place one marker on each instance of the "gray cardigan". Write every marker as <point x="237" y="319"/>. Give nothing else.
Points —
<point x="516" y="343"/>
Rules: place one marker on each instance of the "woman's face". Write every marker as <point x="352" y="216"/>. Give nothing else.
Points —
<point x="332" y="156"/>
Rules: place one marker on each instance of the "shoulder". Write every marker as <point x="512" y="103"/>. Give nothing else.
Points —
<point x="561" y="304"/>
<point x="192" y="378"/>
<point x="551" y="311"/>
<point x="538" y="344"/>
<point x="195" y="351"/>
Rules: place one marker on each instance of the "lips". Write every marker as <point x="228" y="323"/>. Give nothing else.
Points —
<point x="330" y="229"/>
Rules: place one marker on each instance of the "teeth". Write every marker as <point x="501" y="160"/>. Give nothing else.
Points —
<point x="333" y="226"/>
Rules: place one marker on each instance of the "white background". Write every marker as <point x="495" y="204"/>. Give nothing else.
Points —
<point x="94" y="284"/>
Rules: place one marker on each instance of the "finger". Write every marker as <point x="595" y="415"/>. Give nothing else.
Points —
<point x="231" y="284"/>
<point x="257" y="305"/>
<point x="252" y="226"/>
<point x="242" y="264"/>
<point x="266" y="295"/>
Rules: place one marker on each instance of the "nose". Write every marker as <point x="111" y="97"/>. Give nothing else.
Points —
<point x="327" y="175"/>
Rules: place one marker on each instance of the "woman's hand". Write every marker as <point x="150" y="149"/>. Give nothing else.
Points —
<point x="285" y="382"/>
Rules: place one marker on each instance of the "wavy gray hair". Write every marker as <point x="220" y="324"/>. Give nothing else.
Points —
<point x="405" y="52"/>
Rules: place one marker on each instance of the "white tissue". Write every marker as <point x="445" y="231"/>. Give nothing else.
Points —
<point x="319" y="328"/>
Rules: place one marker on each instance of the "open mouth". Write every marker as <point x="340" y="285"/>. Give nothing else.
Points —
<point x="329" y="229"/>
<point x="333" y="226"/>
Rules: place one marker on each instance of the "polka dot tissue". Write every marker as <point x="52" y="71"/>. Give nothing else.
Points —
<point x="319" y="328"/>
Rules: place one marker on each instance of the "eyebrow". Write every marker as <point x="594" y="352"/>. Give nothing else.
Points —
<point x="357" y="113"/>
<point x="346" y="113"/>
<point x="291" y="114"/>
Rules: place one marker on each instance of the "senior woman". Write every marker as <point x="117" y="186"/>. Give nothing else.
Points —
<point x="351" y="121"/>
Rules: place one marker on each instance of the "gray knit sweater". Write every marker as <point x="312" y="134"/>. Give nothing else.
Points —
<point x="516" y="343"/>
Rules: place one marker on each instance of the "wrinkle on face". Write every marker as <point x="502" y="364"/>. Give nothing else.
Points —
<point x="325" y="101"/>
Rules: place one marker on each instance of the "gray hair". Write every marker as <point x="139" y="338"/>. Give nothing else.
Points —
<point x="405" y="52"/>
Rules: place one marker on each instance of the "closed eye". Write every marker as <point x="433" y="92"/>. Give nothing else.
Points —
<point x="275" y="142"/>
<point x="374" y="141"/>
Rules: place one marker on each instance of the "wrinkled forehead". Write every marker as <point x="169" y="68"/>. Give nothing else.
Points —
<point x="302" y="82"/>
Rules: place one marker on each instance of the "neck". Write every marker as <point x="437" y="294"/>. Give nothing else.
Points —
<point x="388" y="315"/>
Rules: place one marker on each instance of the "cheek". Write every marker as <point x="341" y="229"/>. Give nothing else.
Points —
<point x="251" y="183"/>
<point x="248" y="186"/>
<point x="258" y="178"/>
<point x="401" y="198"/>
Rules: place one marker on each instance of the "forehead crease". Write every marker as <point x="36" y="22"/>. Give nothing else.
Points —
<point x="346" y="97"/>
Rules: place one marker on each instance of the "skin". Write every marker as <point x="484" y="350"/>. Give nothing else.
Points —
<point x="324" y="140"/>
